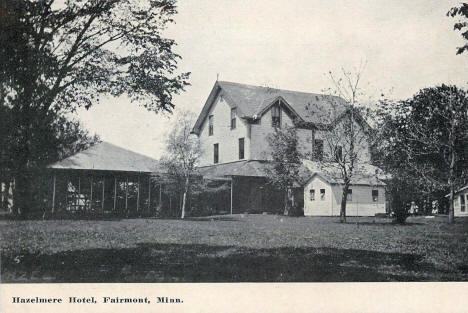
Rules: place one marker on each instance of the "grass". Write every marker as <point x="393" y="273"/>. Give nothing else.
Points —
<point x="234" y="248"/>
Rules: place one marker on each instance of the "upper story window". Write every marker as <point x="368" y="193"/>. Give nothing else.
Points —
<point x="233" y="118"/>
<point x="276" y="116"/>
<point x="318" y="149"/>
<point x="462" y="203"/>
<point x="215" y="153"/>
<point x="349" y="195"/>
<point x="375" y="195"/>
<point x="241" y="148"/>
<point x="339" y="153"/>
<point x="322" y="194"/>
<point x="210" y="125"/>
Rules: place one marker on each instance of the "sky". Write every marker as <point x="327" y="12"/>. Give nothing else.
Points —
<point x="293" y="44"/>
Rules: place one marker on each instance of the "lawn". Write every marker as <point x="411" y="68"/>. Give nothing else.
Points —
<point x="237" y="248"/>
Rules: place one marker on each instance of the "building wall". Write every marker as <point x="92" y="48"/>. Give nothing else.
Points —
<point x="227" y="139"/>
<point x="457" y="203"/>
<point x="260" y="149"/>
<point x="361" y="204"/>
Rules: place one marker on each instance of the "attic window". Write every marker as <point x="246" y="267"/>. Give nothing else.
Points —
<point x="276" y="115"/>
<point x="233" y="118"/>
<point x="210" y="125"/>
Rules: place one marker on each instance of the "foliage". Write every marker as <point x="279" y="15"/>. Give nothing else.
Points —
<point x="425" y="140"/>
<point x="183" y="152"/>
<point x="285" y="165"/>
<point x="61" y="55"/>
<point x="461" y="24"/>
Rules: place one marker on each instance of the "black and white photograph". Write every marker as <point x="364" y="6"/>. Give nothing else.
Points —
<point x="216" y="141"/>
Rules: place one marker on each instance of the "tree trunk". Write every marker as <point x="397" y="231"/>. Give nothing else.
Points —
<point x="451" y="213"/>
<point x="287" y="202"/>
<point x="184" y="199"/>
<point x="343" y="204"/>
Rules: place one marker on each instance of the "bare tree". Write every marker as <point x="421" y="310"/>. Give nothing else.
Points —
<point x="341" y="144"/>
<point x="183" y="152"/>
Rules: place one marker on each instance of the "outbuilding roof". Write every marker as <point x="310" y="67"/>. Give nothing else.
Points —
<point x="364" y="174"/>
<point x="252" y="101"/>
<point x="105" y="156"/>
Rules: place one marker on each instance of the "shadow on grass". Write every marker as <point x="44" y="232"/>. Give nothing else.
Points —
<point x="203" y="263"/>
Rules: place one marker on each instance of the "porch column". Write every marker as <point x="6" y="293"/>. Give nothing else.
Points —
<point x="103" y="188"/>
<point x="79" y="192"/>
<point x="91" y="195"/>
<point x="149" y="194"/>
<point x="53" y="194"/>
<point x="126" y="194"/>
<point x="160" y="195"/>
<point x="138" y="194"/>
<point x="232" y="188"/>
<point x="115" y="191"/>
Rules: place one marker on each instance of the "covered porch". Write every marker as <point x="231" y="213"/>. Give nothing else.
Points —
<point x="105" y="179"/>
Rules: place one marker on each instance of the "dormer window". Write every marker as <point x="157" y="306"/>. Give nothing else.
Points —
<point x="210" y="125"/>
<point x="233" y="118"/>
<point x="276" y="115"/>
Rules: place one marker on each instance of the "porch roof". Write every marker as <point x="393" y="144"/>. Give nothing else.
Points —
<point x="105" y="156"/>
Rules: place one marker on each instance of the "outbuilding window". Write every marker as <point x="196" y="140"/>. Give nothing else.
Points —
<point x="312" y="195"/>
<point x="322" y="194"/>
<point x="375" y="195"/>
<point x="349" y="195"/>
<point x="462" y="203"/>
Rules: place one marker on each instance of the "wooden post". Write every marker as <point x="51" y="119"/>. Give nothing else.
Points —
<point x="126" y="194"/>
<point x="232" y="187"/>
<point x="138" y="194"/>
<point x="79" y="191"/>
<point x="53" y="194"/>
<point x="149" y="194"/>
<point x="160" y="195"/>
<point x="91" y="194"/>
<point x="115" y="191"/>
<point x="103" y="189"/>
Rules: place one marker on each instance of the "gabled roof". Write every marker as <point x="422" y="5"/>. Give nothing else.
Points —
<point x="251" y="101"/>
<point x="364" y="174"/>
<point x="105" y="156"/>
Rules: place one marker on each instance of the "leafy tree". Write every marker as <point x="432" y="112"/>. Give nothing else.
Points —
<point x="285" y="165"/>
<point x="61" y="55"/>
<point x="462" y="24"/>
<point x="427" y="137"/>
<point x="183" y="152"/>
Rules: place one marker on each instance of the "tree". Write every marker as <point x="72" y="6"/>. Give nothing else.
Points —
<point x="431" y="133"/>
<point x="343" y="133"/>
<point x="285" y="165"/>
<point x="61" y="55"/>
<point x="183" y="152"/>
<point x="461" y="24"/>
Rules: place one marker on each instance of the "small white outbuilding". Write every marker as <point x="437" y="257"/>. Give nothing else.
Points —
<point x="323" y="192"/>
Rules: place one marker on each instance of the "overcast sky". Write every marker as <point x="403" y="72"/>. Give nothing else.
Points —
<point x="292" y="44"/>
